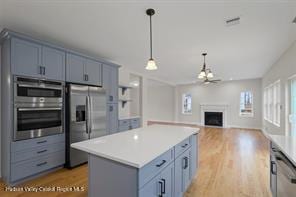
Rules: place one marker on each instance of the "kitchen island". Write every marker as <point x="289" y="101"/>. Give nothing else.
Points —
<point x="158" y="160"/>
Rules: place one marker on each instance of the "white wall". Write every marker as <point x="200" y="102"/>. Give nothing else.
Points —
<point x="157" y="98"/>
<point x="222" y="93"/>
<point x="160" y="101"/>
<point x="283" y="69"/>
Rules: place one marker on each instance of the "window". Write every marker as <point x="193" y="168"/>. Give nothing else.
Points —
<point x="276" y="103"/>
<point x="265" y="103"/>
<point x="186" y="103"/>
<point x="272" y="103"/>
<point x="292" y="117"/>
<point x="246" y="104"/>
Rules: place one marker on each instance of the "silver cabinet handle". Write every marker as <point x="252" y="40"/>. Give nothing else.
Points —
<point x="87" y="115"/>
<point x="40" y="109"/>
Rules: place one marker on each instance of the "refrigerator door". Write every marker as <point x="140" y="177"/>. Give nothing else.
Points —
<point x="97" y="98"/>
<point x="78" y="118"/>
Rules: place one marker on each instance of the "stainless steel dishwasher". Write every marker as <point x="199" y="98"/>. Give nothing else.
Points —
<point x="286" y="176"/>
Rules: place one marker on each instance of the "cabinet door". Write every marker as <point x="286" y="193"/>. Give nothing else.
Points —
<point x="110" y="83"/>
<point x="152" y="188"/>
<point x="193" y="155"/>
<point x="53" y="61"/>
<point x="93" y="72"/>
<point x="112" y="118"/>
<point x="178" y="176"/>
<point x="25" y="58"/>
<point x="75" y="68"/>
<point x="167" y="177"/>
<point x="182" y="173"/>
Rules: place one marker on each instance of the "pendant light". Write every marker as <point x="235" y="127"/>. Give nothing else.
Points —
<point x="151" y="65"/>
<point x="202" y="73"/>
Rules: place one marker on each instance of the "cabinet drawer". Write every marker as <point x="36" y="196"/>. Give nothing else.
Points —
<point x="36" y="142"/>
<point x="124" y="123"/>
<point x="154" y="167"/>
<point x="135" y="123"/>
<point x="24" y="169"/>
<point x="123" y="128"/>
<point x="36" y="152"/>
<point x="181" y="147"/>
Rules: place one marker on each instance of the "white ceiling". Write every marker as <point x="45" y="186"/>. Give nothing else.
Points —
<point x="118" y="31"/>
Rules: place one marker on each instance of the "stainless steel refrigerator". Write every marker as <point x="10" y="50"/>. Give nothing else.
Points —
<point x="85" y="119"/>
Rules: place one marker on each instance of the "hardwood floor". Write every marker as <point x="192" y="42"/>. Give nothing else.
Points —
<point x="233" y="162"/>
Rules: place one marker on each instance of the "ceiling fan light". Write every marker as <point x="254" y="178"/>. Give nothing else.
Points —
<point x="151" y="65"/>
<point x="200" y="76"/>
<point x="210" y="75"/>
<point x="207" y="82"/>
<point x="202" y="73"/>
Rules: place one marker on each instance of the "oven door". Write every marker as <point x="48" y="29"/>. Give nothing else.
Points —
<point x="41" y="91"/>
<point x="33" y="122"/>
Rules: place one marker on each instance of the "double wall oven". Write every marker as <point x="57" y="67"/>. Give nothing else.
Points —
<point x="38" y="108"/>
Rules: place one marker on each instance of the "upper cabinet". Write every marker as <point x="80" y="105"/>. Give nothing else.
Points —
<point x="83" y="70"/>
<point x="53" y="61"/>
<point x="35" y="60"/>
<point x="93" y="71"/>
<point x="110" y="83"/>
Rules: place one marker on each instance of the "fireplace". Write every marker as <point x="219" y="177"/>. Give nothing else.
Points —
<point x="214" y="119"/>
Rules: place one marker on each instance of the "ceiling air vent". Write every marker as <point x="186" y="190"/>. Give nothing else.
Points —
<point x="233" y="21"/>
<point x="294" y="21"/>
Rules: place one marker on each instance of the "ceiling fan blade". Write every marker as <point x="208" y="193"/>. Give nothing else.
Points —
<point x="217" y="80"/>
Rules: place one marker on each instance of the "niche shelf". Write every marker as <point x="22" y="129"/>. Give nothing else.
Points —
<point x="124" y="88"/>
<point x="124" y="101"/>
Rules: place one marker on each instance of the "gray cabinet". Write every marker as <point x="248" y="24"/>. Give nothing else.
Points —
<point x="161" y="185"/>
<point x="83" y="70"/>
<point x="128" y="124"/>
<point x="33" y="156"/>
<point x="193" y="155"/>
<point x="112" y="118"/>
<point x="53" y="62"/>
<point x="182" y="173"/>
<point x="110" y="83"/>
<point x="25" y="58"/>
<point x="75" y="68"/>
<point x="167" y="178"/>
<point x="36" y="60"/>
<point x="93" y="72"/>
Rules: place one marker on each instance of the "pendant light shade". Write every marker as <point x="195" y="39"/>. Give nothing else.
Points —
<point x="151" y="65"/>
<point x="210" y="74"/>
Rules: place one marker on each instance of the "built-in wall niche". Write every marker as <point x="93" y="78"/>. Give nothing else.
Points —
<point x="135" y="95"/>
<point x="130" y="96"/>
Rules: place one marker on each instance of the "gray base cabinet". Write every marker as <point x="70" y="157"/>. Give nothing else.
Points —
<point x="161" y="185"/>
<point x="168" y="175"/>
<point x="128" y="124"/>
<point x="30" y="157"/>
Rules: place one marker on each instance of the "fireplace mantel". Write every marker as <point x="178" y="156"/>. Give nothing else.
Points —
<point x="214" y="107"/>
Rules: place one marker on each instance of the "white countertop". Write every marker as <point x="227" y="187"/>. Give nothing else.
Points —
<point x="136" y="147"/>
<point x="287" y="144"/>
<point x="128" y="117"/>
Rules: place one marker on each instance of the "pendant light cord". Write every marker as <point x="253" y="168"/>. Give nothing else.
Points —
<point x="150" y="37"/>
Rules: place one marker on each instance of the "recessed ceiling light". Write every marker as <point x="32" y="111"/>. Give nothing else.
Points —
<point x="231" y="79"/>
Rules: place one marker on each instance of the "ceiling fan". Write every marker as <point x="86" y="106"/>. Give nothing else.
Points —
<point x="206" y="73"/>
